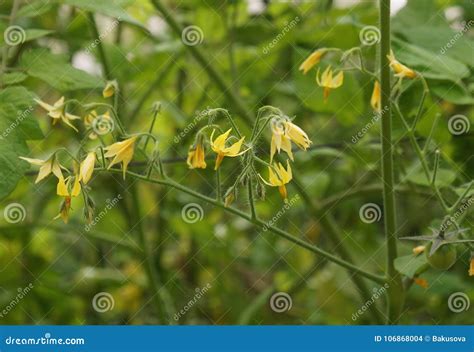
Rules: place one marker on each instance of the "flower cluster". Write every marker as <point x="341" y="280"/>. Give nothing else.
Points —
<point x="283" y="133"/>
<point x="83" y="164"/>
<point x="329" y="79"/>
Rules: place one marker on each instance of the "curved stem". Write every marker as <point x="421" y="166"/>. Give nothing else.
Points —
<point x="259" y="223"/>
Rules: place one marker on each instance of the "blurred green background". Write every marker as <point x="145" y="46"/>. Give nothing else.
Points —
<point x="256" y="47"/>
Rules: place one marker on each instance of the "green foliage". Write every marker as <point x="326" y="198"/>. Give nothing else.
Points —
<point x="141" y="250"/>
<point x="18" y="126"/>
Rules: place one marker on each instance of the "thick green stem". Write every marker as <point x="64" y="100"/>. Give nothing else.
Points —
<point x="395" y="291"/>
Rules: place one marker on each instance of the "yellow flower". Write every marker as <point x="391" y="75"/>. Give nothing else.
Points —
<point x="87" y="167"/>
<point x="297" y="135"/>
<point x="196" y="157"/>
<point x="121" y="152"/>
<point x="400" y="69"/>
<point x="375" y="100"/>
<point x="418" y="250"/>
<point x="471" y="267"/>
<point x="279" y="140"/>
<point x="312" y="60"/>
<point x="57" y="112"/>
<point x="46" y="168"/>
<point x="218" y="146"/>
<point x="283" y="133"/>
<point x="328" y="81"/>
<point x="109" y="89"/>
<point x="279" y="177"/>
<point x="98" y="124"/>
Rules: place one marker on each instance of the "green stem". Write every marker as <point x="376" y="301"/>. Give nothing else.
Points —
<point x="253" y="212"/>
<point x="15" y="7"/>
<point x="259" y="223"/>
<point x="100" y="48"/>
<point x="218" y="185"/>
<point x="395" y="290"/>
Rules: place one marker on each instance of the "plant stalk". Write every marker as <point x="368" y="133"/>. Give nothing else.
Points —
<point x="395" y="291"/>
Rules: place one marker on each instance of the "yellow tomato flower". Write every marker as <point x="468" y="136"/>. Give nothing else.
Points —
<point x="329" y="81"/>
<point x="283" y="133"/>
<point x="279" y="177"/>
<point x="57" y="112"/>
<point x="279" y="140"/>
<point x="218" y="146"/>
<point x="375" y="100"/>
<point x="400" y="69"/>
<point x="471" y="267"/>
<point x="109" y="89"/>
<point x="87" y="167"/>
<point x="46" y="168"/>
<point x="418" y="250"/>
<point x="121" y="152"/>
<point x="297" y="135"/>
<point x="98" y="124"/>
<point x="196" y="157"/>
<point x="312" y="60"/>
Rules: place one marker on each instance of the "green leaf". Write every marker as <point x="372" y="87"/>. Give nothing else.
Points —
<point x="444" y="177"/>
<point x="14" y="78"/>
<point x="22" y="35"/>
<point x="452" y="92"/>
<point x="35" y="8"/>
<point x="441" y="40"/>
<point x="430" y="64"/>
<point x="57" y="72"/>
<point x="112" y="8"/>
<point x="409" y="265"/>
<point x="17" y="126"/>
